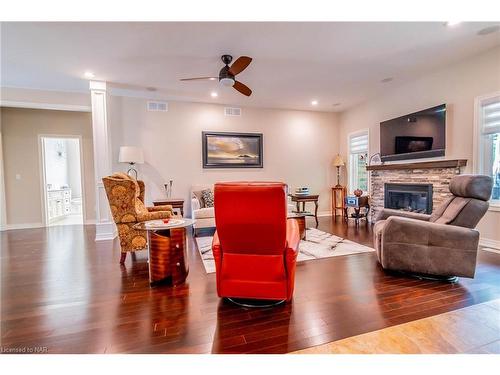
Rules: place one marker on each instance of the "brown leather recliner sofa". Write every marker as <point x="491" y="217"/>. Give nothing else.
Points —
<point x="443" y="244"/>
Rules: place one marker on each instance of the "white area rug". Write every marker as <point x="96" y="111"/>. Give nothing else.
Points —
<point x="318" y="244"/>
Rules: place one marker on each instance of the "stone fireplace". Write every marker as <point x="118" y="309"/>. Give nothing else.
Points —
<point x="433" y="177"/>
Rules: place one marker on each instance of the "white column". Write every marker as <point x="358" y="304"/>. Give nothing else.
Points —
<point x="105" y="226"/>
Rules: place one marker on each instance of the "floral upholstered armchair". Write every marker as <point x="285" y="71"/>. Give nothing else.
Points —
<point x="126" y="200"/>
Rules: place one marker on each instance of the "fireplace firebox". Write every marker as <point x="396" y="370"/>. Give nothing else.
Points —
<point x="408" y="197"/>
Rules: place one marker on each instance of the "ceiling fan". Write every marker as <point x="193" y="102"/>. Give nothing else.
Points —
<point x="228" y="73"/>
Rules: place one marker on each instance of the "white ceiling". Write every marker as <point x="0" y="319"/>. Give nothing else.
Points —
<point x="294" y="63"/>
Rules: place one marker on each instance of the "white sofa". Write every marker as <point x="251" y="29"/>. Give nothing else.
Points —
<point x="204" y="217"/>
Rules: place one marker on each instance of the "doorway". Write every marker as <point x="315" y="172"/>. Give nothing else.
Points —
<point x="62" y="180"/>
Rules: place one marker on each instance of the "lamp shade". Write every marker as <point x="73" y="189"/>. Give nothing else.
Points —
<point x="338" y="161"/>
<point x="131" y="154"/>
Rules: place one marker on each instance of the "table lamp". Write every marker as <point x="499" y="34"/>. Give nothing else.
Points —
<point x="338" y="162"/>
<point x="132" y="155"/>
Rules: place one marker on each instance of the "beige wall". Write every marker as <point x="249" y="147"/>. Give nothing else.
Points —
<point x="457" y="86"/>
<point x="20" y="130"/>
<point x="299" y="146"/>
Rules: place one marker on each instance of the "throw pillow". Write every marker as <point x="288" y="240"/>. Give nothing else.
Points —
<point x="208" y="197"/>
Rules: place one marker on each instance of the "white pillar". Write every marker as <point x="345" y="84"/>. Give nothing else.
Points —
<point x="105" y="226"/>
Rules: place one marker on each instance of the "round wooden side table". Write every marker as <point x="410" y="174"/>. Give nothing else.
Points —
<point x="167" y="250"/>
<point x="301" y="220"/>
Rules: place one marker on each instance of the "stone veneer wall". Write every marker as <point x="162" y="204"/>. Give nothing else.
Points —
<point x="438" y="177"/>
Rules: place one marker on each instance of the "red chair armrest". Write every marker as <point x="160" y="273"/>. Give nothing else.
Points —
<point x="291" y="252"/>
<point x="217" y="253"/>
<point x="292" y="235"/>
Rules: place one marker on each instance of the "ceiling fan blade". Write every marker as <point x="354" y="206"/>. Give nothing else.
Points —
<point x="199" y="79"/>
<point x="240" y="65"/>
<point x="242" y="88"/>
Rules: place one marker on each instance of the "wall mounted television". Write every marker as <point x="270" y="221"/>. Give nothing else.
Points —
<point x="417" y="135"/>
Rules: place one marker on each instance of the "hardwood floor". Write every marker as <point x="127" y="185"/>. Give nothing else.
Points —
<point x="65" y="293"/>
<point x="471" y="330"/>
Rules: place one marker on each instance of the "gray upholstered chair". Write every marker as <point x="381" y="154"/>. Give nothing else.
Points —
<point x="443" y="244"/>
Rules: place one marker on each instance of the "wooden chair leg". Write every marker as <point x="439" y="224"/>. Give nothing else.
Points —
<point x="123" y="257"/>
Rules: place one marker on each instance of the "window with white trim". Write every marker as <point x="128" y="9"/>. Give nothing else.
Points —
<point x="488" y="147"/>
<point x="358" y="155"/>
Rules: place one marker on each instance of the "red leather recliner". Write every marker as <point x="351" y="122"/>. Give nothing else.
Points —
<point x="255" y="247"/>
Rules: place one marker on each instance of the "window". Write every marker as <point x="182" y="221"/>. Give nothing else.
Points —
<point x="358" y="155"/>
<point x="487" y="155"/>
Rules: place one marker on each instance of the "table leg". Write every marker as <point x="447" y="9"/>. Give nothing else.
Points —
<point x="298" y="206"/>
<point x="316" y="212"/>
<point x="303" y="206"/>
<point x="182" y="210"/>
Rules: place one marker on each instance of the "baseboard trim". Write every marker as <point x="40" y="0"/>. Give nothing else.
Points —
<point x="105" y="232"/>
<point x="486" y="242"/>
<point x="324" y="213"/>
<point x="22" y="226"/>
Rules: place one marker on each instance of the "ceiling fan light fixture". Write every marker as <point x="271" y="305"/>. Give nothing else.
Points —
<point x="229" y="82"/>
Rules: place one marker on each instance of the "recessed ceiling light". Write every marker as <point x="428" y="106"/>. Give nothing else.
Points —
<point x="314" y="102"/>
<point x="488" y="30"/>
<point x="212" y="79"/>
<point x="213" y="94"/>
<point x="89" y="75"/>
<point x="452" y="23"/>
<point x="388" y="79"/>
<point x="152" y="89"/>
<point x="336" y="104"/>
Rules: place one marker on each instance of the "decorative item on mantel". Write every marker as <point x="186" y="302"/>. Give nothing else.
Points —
<point x="168" y="188"/>
<point x="338" y="162"/>
<point x="375" y="159"/>
<point x="131" y="155"/>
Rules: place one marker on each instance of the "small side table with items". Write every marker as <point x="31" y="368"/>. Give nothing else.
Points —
<point x="304" y="198"/>
<point x="360" y="206"/>
<point x="176" y="203"/>
<point x="167" y="248"/>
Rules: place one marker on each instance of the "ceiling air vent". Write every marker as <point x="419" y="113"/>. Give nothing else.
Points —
<point x="232" y="111"/>
<point x="157" y="106"/>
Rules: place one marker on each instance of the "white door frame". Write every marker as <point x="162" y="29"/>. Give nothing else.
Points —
<point x="43" y="184"/>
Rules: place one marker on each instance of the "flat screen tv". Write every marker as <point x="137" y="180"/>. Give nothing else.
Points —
<point x="417" y="135"/>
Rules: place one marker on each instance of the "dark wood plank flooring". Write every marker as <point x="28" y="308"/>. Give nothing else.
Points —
<point x="66" y="293"/>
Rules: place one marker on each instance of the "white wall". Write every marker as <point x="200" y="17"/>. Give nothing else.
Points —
<point x="299" y="146"/>
<point x="457" y="86"/>
<point x="74" y="167"/>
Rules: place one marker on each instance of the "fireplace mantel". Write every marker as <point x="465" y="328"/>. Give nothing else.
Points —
<point x="457" y="163"/>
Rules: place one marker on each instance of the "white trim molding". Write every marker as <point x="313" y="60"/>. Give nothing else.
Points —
<point x="49" y="106"/>
<point x="22" y="226"/>
<point x="486" y="242"/>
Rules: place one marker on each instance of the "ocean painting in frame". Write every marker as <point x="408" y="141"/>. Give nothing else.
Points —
<point x="232" y="150"/>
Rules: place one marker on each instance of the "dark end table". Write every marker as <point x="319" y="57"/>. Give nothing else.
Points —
<point x="176" y="203"/>
<point x="298" y="199"/>
<point x="357" y="203"/>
